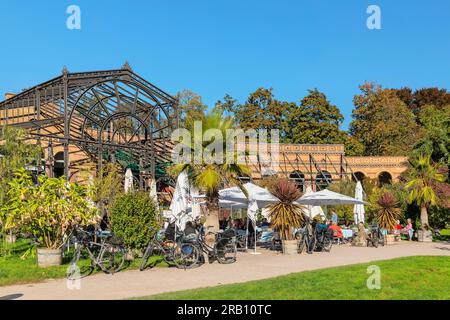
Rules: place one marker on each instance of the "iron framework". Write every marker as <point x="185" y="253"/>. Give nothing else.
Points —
<point x="112" y="115"/>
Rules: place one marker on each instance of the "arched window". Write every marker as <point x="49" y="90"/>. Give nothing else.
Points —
<point x="58" y="168"/>
<point x="323" y="179"/>
<point x="359" y="176"/>
<point x="299" y="178"/>
<point x="384" y="178"/>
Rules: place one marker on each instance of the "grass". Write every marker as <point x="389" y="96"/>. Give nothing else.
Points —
<point x="14" y="269"/>
<point x="403" y="278"/>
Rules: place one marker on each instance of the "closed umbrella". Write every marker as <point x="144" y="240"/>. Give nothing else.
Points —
<point x="358" y="209"/>
<point x="128" y="186"/>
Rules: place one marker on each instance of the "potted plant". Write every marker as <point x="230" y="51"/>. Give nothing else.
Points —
<point x="387" y="213"/>
<point x="48" y="211"/>
<point x="285" y="215"/>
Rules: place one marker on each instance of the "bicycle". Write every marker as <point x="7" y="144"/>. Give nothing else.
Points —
<point x="108" y="254"/>
<point x="181" y="251"/>
<point x="375" y="236"/>
<point x="224" y="249"/>
<point x="306" y="238"/>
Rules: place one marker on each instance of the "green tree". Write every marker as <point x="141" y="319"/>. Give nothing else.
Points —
<point x="210" y="175"/>
<point x="191" y="107"/>
<point x="382" y="122"/>
<point x="315" y="120"/>
<point x="15" y="153"/>
<point x="424" y="180"/>
<point x="260" y="111"/>
<point x="436" y="134"/>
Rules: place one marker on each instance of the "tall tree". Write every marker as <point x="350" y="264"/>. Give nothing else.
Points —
<point x="436" y="134"/>
<point x="423" y="97"/>
<point x="260" y="111"/>
<point x="315" y="120"/>
<point x="191" y="107"/>
<point x="382" y="122"/>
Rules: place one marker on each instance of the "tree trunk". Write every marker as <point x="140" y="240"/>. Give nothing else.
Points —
<point x="424" y="218"/>
<point x="212" y="220"/>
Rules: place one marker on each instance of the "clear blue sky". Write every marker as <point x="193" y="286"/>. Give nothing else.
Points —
<point x="227" y="46"/>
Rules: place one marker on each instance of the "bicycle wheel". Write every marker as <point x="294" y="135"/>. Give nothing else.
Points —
<point x="112" y="258"/>
<point x="327" y="244"/>
<point x="301" y="243"/>
<point x="311" y="243"/>
<point x="78" y="267"/>
<point x="147" y="254"/>
<point x="186" y="256"/>
<point x="225" y="251"/>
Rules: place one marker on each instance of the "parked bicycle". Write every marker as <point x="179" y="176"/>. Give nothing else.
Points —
<point x="375" y="236"/>
<point x="224" y="249"/>
<point x="102" y="248"/>
<point x="181" y="252"/>
<point x="306" y="237"/>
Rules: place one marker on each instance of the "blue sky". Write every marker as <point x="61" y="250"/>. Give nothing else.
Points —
<point x="216" y="47"/>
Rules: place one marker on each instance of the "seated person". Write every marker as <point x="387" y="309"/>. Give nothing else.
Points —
<point x="265" y="223"/>
<point x="408" y="230"/>
<point x="398" y="227"/>
<point x="337" y="231"/>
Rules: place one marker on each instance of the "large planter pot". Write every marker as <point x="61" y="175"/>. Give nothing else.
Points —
<point x="392" y="238"/>
<point x="289" y="246"/>
<point x="49" y="257"/>
<point x="424" y="236"/>
<point x="10" y="238"/>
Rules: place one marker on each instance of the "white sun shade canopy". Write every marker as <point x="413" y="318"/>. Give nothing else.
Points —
<point x="327" y="197"/>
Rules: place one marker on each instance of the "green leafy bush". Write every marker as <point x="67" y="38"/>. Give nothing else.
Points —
<point x="48" y="210"/>
<point x="131" y="216"/>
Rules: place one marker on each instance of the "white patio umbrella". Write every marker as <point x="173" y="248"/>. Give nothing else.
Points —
<point x="180" y="199"/>
<point x="310" y="210"/>
<point x="128" y="186"/>
<point x="327" y="197"/>
<point x="358" y="209"/>
<point x="258" y="197"/>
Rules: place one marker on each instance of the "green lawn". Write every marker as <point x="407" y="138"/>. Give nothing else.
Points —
<point x="14" y="270"/>
<point x="404" y="278"/>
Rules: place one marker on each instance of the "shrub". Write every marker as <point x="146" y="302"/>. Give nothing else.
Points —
<point x="48" y="210"/>
<point x="131" y="216"/>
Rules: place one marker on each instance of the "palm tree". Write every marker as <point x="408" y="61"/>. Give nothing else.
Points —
<point x="387" y="212"/>
<point x="425" y="178"/>
<point x="285" y="215"/>
<point x="213" y="172"/>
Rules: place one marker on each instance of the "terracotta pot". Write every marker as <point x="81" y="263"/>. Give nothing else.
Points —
<point x="289" y="246"/>
<point x="49" y="257"/>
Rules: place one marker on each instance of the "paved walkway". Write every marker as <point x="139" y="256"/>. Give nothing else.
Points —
<point x="248" y="267"/>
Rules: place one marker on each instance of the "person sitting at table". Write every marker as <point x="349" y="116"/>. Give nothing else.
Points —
<point x="398" y="227"/>
<point x="408" y="230"/>
<point x="337" y="231"/>
<point x="265" y="223"/>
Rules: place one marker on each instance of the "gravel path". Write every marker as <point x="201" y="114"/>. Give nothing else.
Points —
<point x="248" y="267"/>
